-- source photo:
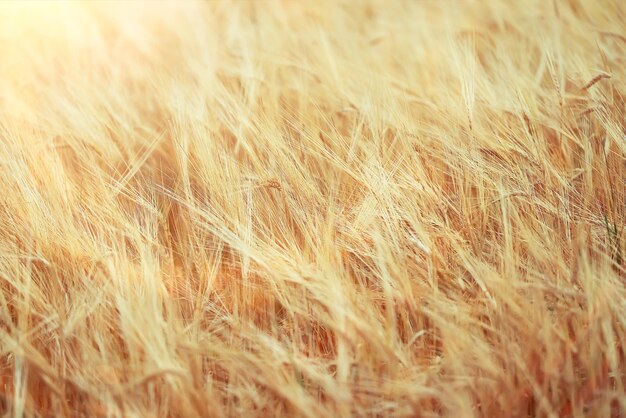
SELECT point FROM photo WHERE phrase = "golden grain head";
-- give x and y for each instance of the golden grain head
(313, 209)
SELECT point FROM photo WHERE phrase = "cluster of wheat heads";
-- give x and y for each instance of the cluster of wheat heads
(313, 209)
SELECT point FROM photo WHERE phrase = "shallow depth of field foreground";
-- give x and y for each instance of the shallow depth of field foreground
(313, 209)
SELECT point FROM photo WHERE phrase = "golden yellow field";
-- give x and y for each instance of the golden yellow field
(318, 208)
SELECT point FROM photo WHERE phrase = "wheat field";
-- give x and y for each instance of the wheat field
(313, 208)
